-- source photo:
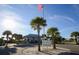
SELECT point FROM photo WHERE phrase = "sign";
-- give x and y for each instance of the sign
(46, 42)
(78, 39)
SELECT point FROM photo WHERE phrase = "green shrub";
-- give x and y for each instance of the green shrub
(1, 41)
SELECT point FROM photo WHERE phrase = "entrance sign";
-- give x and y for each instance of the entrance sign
(46, 42)
(78, 39)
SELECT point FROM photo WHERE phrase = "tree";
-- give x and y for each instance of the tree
(1, 41)
(7, 33)
(37, 24)
(14, 35)
(71, 40)
(17, 37)
(58, 39)
(75, 34)
(54, 34)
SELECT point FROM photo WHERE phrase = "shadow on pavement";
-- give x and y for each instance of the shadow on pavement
(7, 51)
(48, 53)
(22, 45)
(68, 53)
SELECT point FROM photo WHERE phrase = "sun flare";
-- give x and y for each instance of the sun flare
(8, 24)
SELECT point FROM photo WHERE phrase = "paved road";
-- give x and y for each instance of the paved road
(73, 48)
(32, 50)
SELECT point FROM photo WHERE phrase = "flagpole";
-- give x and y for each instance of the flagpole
(43, 18)
(43, 10)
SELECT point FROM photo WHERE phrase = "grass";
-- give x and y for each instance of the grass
(72, 43)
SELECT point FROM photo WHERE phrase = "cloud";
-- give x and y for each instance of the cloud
(20, 26)
(6, 6)
(73, 28)
(69, 30)
(65, 24)
(7, 11)
(76, 6)
(31, 6)
(59, 17)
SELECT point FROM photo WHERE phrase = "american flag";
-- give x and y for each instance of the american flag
(40, 7)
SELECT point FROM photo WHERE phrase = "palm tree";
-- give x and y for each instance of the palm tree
(14, 35)
(7, 33)
(54, 33)
(17, 36)
(75, 34)
(58, 38)
(37, 24)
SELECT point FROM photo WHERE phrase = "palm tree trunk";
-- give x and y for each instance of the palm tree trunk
(54, 45)
(7, 41)
(76, 40)
(39, 39)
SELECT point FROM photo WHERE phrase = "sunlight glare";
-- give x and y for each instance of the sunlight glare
(9, 24)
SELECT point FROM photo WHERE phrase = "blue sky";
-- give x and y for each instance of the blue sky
(64, 17)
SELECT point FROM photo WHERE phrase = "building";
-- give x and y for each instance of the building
(31, 38)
